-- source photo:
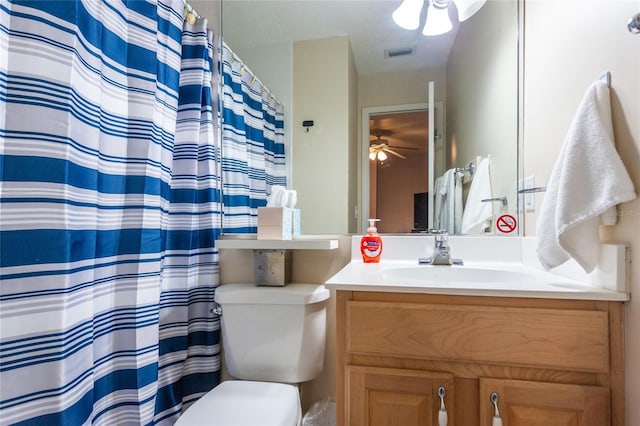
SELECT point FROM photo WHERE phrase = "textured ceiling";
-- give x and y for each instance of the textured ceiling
(368, 23)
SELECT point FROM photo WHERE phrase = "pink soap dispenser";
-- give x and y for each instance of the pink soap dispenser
(371, 244)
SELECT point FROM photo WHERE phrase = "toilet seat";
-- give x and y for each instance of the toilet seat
(245, 403)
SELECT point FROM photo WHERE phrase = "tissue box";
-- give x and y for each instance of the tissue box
(275, 223)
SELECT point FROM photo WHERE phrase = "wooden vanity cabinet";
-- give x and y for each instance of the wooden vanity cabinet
(545, 404)
(386, 396)
(551, 362)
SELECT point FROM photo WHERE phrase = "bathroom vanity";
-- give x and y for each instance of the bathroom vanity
(555, 361)
(548, 349)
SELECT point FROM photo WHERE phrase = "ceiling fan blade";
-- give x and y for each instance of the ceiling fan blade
(380, 141)
(390, 151)
(403, 147)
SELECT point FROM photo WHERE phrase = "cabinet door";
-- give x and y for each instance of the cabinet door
(524, 403)
(389, 397)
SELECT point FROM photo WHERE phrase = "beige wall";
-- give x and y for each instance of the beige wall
(568, 44)
(482, 118)
(400, 87)
(323, 91)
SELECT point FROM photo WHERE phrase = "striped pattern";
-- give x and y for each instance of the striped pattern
(107, 220)
(189, 363)
(252, 145)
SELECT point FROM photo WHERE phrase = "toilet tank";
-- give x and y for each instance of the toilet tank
(274, 334)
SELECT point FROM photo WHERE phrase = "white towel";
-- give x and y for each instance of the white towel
(478, 215)
(587, 181)
(438, 199)
(448, 202)
(455, 185)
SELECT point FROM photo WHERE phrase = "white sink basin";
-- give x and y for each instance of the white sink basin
(454, 274)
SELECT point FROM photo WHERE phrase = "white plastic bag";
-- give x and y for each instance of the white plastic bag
(321, 413)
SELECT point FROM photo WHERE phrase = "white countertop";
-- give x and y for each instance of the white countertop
(359, 276)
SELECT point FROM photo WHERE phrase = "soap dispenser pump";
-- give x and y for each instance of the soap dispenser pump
(371, 244)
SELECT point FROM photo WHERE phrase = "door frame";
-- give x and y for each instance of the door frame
(363, 162)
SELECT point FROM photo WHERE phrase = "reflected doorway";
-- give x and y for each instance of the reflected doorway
(397, 168)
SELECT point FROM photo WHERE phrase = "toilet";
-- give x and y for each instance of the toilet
(273, 339)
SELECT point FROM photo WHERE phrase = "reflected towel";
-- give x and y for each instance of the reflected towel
(477, 216)
(587, 181)
(438, 199)
(448, 202)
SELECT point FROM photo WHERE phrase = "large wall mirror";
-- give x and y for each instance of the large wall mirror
(475, 73)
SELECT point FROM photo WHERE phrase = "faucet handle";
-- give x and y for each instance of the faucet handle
(441, 238)
(441, 235)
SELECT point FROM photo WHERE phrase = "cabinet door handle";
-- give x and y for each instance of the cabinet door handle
(495, 398)
(442, 414)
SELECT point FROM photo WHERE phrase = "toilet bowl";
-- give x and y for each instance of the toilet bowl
(273, 339)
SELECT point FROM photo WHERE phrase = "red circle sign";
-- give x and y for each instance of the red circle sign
(506, 223)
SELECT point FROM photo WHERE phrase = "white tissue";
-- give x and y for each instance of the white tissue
(281, 197)
(291, 199)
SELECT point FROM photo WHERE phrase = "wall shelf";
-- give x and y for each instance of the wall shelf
(298, 243)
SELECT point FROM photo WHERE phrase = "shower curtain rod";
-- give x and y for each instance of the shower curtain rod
(189, 13)
(245, 68)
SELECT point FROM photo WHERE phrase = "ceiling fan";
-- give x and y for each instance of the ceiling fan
(379, 147)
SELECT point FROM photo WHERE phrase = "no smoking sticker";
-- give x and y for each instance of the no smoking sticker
(506, 224)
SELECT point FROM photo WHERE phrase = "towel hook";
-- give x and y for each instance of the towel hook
(606, 77)
(634, 24)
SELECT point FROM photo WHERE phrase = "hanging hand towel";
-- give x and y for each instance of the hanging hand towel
(438, 197)
(587, 181)
(448, 202)
(456, 215)
(477, 216)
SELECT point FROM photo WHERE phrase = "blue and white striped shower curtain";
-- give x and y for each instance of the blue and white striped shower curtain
(107, 220)
(252, 144)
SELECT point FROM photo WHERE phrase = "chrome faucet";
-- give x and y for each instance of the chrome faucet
(441, 254)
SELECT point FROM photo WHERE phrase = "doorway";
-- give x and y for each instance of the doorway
(395, 166)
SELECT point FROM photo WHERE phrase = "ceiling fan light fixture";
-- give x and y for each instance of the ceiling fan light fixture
(466, 8)
(407, 15)
(382, 156)
(372, 155)
(438, 21)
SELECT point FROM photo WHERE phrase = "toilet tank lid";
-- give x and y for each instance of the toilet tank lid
(290, 294)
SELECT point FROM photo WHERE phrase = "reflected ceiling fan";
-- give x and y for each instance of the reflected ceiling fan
(378, 148)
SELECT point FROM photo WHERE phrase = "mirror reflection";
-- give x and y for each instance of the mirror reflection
(398, 165)
(474, 67)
